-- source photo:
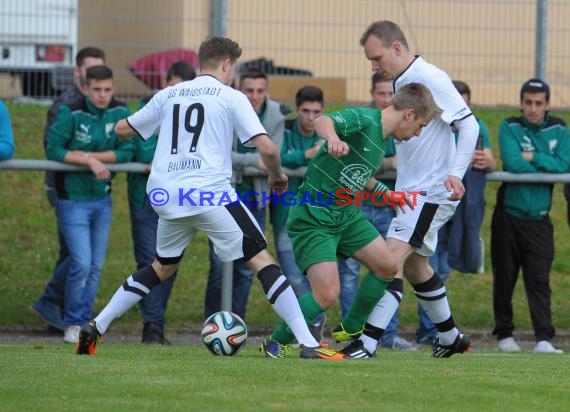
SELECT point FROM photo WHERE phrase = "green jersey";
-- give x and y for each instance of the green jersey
(390, 152)
(292, 157)
(80, 125)
(330, 181)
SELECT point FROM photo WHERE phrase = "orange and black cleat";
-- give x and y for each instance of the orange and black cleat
(320, 352)
(88, 338)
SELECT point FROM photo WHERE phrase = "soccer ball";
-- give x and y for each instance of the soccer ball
(224, 333)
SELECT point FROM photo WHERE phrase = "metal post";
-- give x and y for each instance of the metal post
(227, 285)
(219, 27)
(540, 42)
(219, 17)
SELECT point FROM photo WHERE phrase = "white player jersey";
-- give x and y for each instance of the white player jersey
(192, 167)
(425, 161)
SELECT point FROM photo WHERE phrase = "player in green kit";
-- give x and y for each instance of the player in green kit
(324, 221)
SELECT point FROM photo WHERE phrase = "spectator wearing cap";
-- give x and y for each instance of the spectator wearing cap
(521, 231)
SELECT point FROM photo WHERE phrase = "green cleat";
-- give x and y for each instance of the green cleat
(340, 335)
(273, 349)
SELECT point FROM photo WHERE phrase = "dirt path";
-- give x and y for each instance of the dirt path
(483, 340)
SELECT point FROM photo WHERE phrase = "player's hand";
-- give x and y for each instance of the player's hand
(527, 156)
(479, 160)
(338, 148)
(397, 203)
(454, 185)
(278, 183)
(98, 168)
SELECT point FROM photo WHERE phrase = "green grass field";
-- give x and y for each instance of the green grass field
(132, 377)
(188, 378)
(28, 249)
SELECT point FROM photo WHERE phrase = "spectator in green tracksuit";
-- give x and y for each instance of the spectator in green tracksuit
(521, 232)
(83, 133)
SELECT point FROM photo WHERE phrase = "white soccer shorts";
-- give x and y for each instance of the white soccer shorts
(226, 226)
(419, 227)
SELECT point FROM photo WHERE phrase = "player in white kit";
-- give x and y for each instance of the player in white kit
(189, 187)
(434, 165)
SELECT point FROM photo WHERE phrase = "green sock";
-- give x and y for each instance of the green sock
(370, 291)
(311, 311)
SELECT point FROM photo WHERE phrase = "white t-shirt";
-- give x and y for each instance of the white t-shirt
(425, 161)
(192, 168)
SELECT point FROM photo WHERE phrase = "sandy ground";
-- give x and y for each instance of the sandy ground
(482, 340)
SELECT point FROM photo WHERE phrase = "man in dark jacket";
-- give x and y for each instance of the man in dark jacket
(521, 232)
(49, 305)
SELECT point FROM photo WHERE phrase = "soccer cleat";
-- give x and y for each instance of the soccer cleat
(461, 344)
(340, 335)
(88, 338)
(273, 349)
(320, 352)
(356, 350)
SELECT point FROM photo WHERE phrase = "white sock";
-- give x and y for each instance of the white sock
(287, 307)
(119, 304)
(438, 311)
(380, 317)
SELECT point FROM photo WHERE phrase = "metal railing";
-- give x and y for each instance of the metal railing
(227, 267)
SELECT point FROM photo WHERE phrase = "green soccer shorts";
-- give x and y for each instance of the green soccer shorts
(322, 234)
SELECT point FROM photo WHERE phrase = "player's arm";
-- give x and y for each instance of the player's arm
(468, 132)
(324, 127)
(270, 156)
(124, 130)
(395, 200)
(145, 121)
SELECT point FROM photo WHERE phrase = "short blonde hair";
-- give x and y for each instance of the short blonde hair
(418, 97)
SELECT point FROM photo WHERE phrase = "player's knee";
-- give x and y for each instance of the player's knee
(165, 267)
(386, 269)
(326, 297)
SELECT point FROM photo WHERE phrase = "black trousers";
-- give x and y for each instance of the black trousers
(526, 244)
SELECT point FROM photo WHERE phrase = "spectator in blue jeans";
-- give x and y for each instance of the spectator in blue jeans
(253, 83)
(380, 216)
(83, 133)
(144, 222)
(49, 306)
(299, 146)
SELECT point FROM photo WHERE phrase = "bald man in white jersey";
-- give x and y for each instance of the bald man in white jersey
(189, 187)
(434, 165)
